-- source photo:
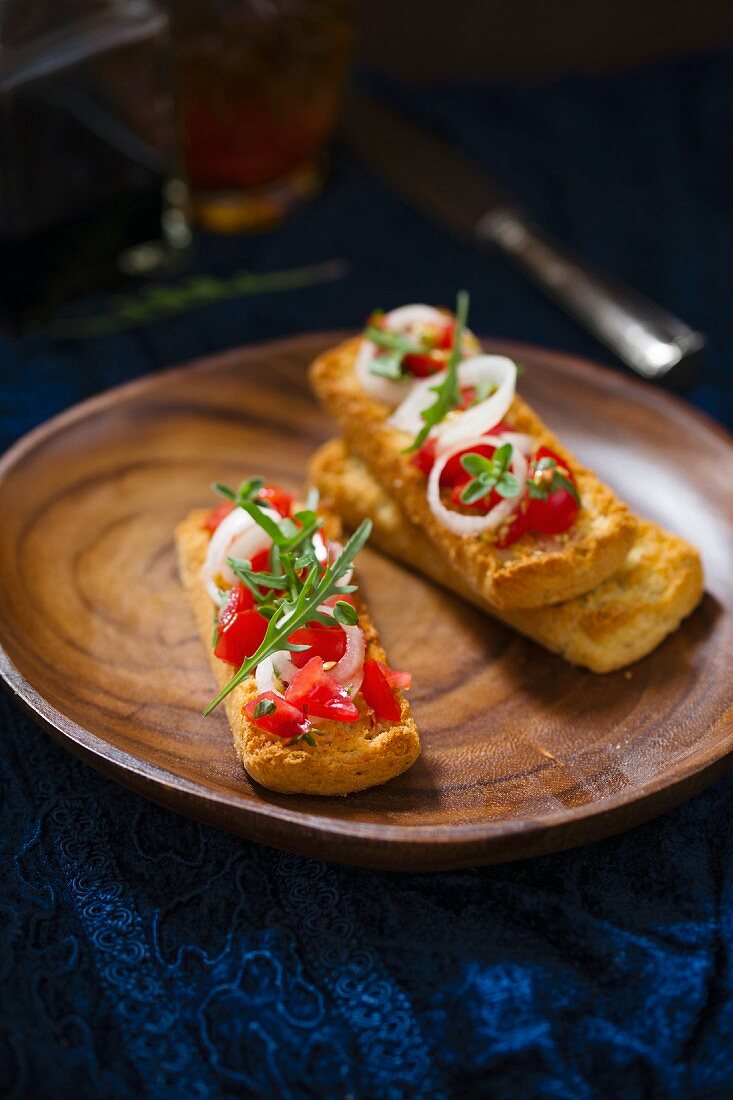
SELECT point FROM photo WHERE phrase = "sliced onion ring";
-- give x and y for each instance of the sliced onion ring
(237, 536)
(349, 671)
(275, 669)
(458, 523)
(496, 370)
(384, 389)
(525, 443)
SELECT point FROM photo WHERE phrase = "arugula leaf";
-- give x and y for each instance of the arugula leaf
(448, 394)
(305, 595)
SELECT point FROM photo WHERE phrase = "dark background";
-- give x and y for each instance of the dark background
(142, 955)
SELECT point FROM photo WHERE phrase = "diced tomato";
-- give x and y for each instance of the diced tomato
(446, 336)
(514, 531)
(284, 721)
(240, 599)
(480, 507)
(326, 642)
(277, 498)
(240, 636)
(422, 366)
(551, 516)
(216, 515)
(424, 459)
(395, 678)
(319, 695)
(260, 562)
(554, 515)
(377, 692)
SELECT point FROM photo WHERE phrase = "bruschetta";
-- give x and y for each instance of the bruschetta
(441, 428)
(313, 706)
(621, 620)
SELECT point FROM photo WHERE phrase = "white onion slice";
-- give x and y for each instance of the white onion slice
(525, 443)
(406, 417)
(276, 669)
(399, 320)
(464, 525)
(496, 370)
(237, 536)
(266, 678)
(349, 671)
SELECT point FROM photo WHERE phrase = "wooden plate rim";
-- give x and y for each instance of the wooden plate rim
(100, 752)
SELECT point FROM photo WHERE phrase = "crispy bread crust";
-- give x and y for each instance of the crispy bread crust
(347, 756)
(532, 572)
(621, 620)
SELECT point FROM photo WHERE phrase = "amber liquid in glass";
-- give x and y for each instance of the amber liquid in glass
(260, 85)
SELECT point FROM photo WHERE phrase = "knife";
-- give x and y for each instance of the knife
(452, 190)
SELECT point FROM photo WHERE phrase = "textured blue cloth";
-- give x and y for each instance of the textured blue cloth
(144, 955)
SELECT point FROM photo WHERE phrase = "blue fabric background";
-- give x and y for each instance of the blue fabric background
(144, 955)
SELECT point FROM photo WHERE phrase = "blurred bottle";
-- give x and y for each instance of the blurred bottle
(260, 83)
(89, 179)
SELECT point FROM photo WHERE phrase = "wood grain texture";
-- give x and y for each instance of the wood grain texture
(522, 754)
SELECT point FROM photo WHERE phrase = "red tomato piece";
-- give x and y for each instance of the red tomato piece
(422, 366)
(277, 498)
(216, 515)
(554, 515)
(480, 507)
(454, 473)
(551, 516)
(240, 637)
(424, 459)
(319, 695)
(326, 642)
(395, 678)
(260, 563)
(240, 599)
(446, 336)
(515, 530)
(285, 721)
(377, 692)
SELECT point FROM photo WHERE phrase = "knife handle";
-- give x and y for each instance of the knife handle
(650, 340)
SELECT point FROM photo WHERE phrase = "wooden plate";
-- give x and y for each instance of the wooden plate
(522, 754)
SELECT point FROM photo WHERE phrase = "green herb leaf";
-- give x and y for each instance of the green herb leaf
(223, 491)
(476, 464)
(388, 366)
(448, 395)
(290, 614)
(264, 707)
(345, 613)
(474, 491)
(488, 474)
(507, 486)
(540, 490)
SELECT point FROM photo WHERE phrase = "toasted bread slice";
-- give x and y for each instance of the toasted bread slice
(534, 571)
(347, 756)
(621, 620)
